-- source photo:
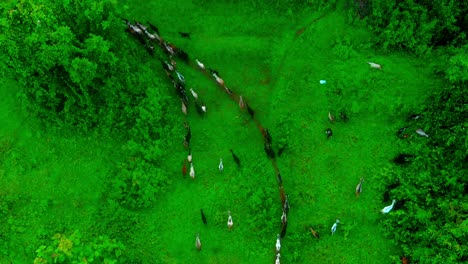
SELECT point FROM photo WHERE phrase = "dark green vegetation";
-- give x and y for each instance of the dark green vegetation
(91, 132)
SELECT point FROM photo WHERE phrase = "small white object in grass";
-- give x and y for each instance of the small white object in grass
(323, 81)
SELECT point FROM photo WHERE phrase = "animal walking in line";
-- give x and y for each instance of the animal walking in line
(329, 132)
(180, 77)
(153, 27)
(284, 218)
(282, 196)
(203, 217)
(228, 91)
(236, 159)
(192, 171)
(220, 166)
(218, 79)
(250, 110)
(359, 187)
(333, 228)
(183, 107)
(241, 102)
(195, 95)
(314, 233)
(188, 136)
(286, 204)
(375, 65)
(200, 64)
(387, 209)
(279, 178)
(269, 151)
(184, 168)
(198, 242)
(421, 133)
(278, 244)
(284, 227)
(229, 222)
(277, 261)
(266, 136)
(189, 156)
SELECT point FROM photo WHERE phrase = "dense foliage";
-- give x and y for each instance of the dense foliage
(432, 226)
(416, 25)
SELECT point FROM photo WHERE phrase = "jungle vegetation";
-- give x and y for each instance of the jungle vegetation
(71, 67)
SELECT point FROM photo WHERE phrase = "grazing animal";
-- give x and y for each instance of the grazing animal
(386, 195)
(278, 244)
(284, 218)
(375, 65)
(218, 79)
(421, 133)
(415, 116)
(331, 117)
(195, 95)
(333, 228)
(183, 107)
(192, 171)
(387, 209)
(229, 222)
(220, 166)
(241, 102)
(343, 116)
(404, 260)
(314, 233)
(399, 205)
(250, 110)
(403, 159)
(359, 187)
(184, 168)
(201, 65)
(277, 261)
(189, 157)
(329, 132)
(281, 150)
(185, 35)
(286, 204)
(236, 159)
(198, 242)
(203, 217)
(401, 131)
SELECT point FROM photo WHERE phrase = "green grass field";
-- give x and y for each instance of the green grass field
(55, 179)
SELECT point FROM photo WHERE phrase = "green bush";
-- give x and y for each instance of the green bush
(74, 249)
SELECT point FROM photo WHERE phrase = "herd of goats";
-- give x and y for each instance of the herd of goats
(149, 37)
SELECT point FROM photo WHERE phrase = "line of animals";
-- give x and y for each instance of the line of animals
(148, 39)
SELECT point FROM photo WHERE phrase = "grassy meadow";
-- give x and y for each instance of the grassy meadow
(54, 180)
